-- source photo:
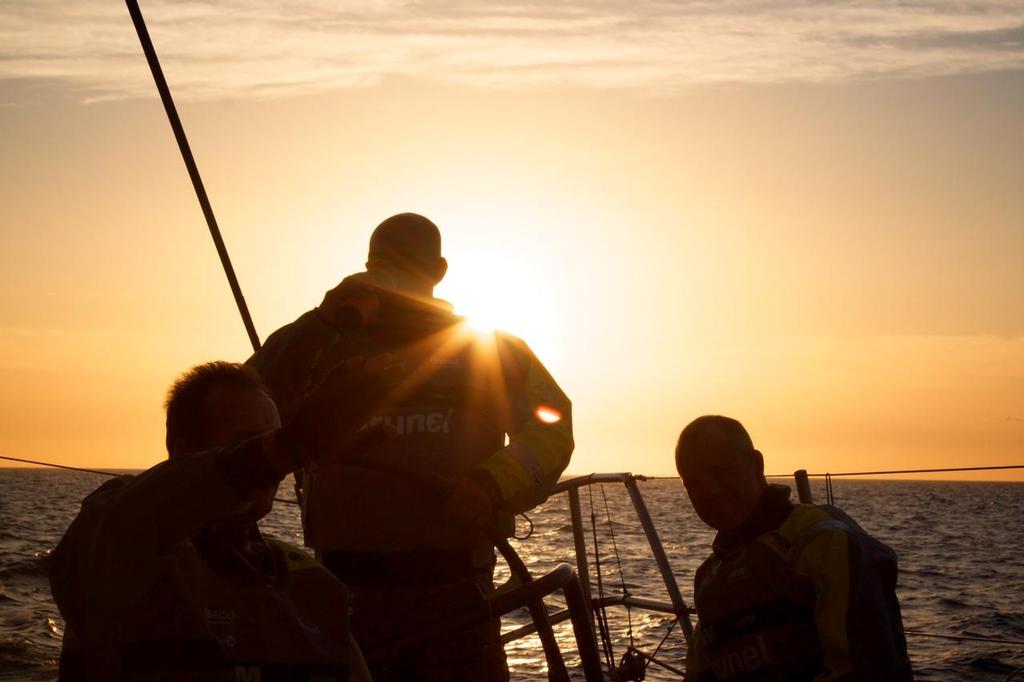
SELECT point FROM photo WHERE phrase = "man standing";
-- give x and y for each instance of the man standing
(165, 575)
(790, 592)
(410, 526)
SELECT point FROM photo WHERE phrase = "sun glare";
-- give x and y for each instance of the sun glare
(505, 296)
(547, 414)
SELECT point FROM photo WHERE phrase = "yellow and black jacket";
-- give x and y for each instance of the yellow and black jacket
(800, 593)
(455, 397)
(148, 593)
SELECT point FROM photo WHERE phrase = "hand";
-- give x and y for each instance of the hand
(329, 423)
(468, 503)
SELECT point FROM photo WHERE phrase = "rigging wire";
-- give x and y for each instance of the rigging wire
(602, 612)
(906, 471)
(634, 662)
(112, 474)
(965, 638)
(193, 169)
(618, 560)
(59, 466)
(668, 632)
(870, 473)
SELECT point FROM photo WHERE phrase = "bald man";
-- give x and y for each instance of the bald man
(410, 528)
(791, 592)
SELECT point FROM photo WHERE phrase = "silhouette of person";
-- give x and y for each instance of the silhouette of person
(410, 526)
(165, 575)
(790, 592)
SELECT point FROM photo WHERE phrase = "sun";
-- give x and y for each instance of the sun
(501, 294)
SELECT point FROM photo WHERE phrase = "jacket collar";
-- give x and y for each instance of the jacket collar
(772, 509)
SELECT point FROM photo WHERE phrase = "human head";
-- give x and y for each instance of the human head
(722, 472)
(216, 405)
(408, 247)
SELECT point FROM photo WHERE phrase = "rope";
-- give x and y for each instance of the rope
(965, 638)
(872, 473)
(896, 471)
(529, 531)
(601, 613)
(667, 633)
(112, 474)
(618, 560)
(59, 466)
(829, 497)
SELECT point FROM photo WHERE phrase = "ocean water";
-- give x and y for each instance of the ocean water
(960, 545)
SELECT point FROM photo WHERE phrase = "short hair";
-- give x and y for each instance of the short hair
(186, 399)
(408, 241)
(713, 428)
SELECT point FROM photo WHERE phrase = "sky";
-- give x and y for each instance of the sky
(807, 216)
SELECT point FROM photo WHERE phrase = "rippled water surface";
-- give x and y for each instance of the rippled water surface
(961, 550)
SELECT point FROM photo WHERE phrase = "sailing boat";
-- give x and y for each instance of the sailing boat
(580, 570)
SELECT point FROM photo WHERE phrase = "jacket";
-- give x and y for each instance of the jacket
(148, 593)
(455, 397)
(812, 597)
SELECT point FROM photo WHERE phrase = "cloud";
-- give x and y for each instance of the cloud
(236, 48)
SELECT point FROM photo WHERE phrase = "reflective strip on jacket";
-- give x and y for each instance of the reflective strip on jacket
(812, 600)
(455, 398)
(142, 603)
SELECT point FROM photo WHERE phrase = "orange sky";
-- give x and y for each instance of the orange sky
(833, 256)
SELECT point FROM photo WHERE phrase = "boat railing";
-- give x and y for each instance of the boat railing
(581, 605)
(674, 605)
(803, 485)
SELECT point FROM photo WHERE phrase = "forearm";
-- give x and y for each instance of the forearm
(171, 502)
(529, 464)
(128, 529)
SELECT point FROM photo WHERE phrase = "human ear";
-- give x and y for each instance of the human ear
(759, 462)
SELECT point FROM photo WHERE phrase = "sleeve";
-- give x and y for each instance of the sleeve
(540, 430)
(360, 672)
(289, 358)
(127, 528)
(856, 613)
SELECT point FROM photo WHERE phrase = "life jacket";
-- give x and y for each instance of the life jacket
(195, 623)
(446, 415)
(758, 614)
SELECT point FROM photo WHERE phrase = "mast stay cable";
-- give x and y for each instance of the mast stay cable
(193, 170)
(604, 630)
(112, 474)
(870, 473)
